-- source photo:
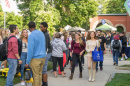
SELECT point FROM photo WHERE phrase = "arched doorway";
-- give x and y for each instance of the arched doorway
(120, 29)
(99, 22)
(99, 25)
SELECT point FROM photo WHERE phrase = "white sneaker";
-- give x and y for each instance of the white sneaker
(126, 57)
(122, 59)
(22, 83)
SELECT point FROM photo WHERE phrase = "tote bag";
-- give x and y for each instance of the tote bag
(97, 55)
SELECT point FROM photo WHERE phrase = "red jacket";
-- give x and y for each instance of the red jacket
(12, 48)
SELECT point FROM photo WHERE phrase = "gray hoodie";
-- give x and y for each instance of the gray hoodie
(58, 47)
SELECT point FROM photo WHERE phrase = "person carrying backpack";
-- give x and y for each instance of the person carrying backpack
(116, 49)
(13, 55)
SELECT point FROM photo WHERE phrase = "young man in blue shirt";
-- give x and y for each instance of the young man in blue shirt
(36, 53)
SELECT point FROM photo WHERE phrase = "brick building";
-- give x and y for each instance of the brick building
(120, 21)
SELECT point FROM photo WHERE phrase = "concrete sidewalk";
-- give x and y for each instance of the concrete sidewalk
(101, 76)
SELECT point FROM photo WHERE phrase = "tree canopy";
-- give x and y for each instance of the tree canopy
(59, 13)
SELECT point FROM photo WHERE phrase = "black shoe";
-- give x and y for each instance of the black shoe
(114, 63)
(101, 68)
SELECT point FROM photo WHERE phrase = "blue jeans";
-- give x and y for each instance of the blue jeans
(115, 56)
(12, 71)
(100, 62)
(44, 71)
(23, 58)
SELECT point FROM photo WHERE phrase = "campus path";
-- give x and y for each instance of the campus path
(101, 76)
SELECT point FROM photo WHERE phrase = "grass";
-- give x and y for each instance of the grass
(3, 80)
(120, 79)
(17, 79)
(127, 59)
(125, 66)
(50, 66)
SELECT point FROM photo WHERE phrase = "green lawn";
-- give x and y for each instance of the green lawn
(17, 79)
(3, 80)
(125, 66)
(121, 57)
(120, 79)
(128, 59)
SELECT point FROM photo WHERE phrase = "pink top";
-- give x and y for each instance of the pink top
(12, 48)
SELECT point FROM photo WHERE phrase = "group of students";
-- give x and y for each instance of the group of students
(75, 45)
(35, 50)
(28, 51)
(116, 43)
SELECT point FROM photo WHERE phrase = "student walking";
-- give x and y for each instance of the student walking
(57, 53)
(92, 42)
(24, 40)
(123, 39)
(116, 49)
(36, 53)
(102, 41)
(13, 55)
(76, 52)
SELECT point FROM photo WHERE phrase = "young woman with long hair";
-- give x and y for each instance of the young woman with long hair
(24, 39)
(1, 35)
(76, 52)
(91, 43)
(6, 35)
(1, 41)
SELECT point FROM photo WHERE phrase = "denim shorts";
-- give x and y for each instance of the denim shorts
(44, 71)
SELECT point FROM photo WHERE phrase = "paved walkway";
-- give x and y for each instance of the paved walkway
(101, 76)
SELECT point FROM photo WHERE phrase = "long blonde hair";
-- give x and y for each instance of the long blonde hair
(2, 36)
(21, 36)
(6, 35)
(80, 39)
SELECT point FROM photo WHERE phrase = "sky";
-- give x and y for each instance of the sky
(13, 7)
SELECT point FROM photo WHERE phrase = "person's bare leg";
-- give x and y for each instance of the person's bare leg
(94, 70)
(5, 63)
(63, 74)
(123, 55)
(55, 74)
(89, 60)
(44, 77)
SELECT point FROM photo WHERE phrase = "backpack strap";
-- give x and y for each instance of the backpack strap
(10, 37)
(7, 42)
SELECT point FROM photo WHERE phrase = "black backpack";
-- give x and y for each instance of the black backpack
(116, 44)
(4, 49)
